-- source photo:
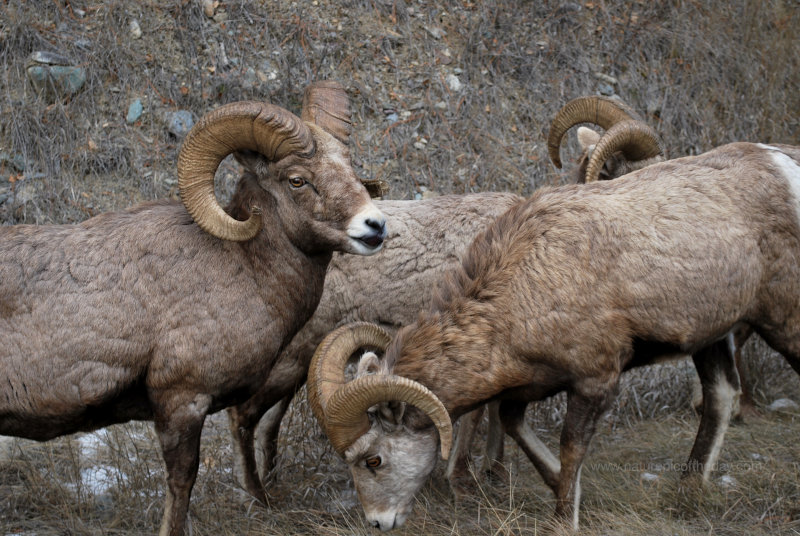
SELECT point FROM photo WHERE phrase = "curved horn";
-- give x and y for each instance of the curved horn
(347, 409)
(341, 407)
(326, 104)
(601, 111)
(248, 125)
(326, 372)
(636, 140)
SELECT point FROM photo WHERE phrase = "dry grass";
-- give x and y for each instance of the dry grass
(703, 73)
(112, 483)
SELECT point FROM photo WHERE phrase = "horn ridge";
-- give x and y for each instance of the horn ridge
(246, 125)
(635, 139)
(602, 111)
(326, 372)
(347, 418)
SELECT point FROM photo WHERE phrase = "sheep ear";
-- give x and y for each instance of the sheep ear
(250, 160)
(587, 138)
(391, 414)
(369, 364)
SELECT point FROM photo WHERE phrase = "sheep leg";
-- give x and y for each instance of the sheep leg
(747, 406)
(244, 453)
(267, 437)
(512, 416)
(243, 420)
(458, 465)
(717, 371)
(178, 424)
(495, 436)
(584, 409)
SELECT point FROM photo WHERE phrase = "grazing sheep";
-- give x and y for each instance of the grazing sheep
(426, 238)
(628, 144)
(170, 312)
(564, 292)
(390, 289)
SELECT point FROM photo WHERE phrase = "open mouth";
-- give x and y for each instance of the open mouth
(371, 241)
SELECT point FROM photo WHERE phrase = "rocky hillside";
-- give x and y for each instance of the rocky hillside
(449, 96)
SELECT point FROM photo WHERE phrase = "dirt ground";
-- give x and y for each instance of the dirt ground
(450, 96)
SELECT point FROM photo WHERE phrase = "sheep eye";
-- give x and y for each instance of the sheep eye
(296, 182)
(374, 462)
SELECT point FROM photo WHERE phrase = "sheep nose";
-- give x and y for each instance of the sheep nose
(379, 226)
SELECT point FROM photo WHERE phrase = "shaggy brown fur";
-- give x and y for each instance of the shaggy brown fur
(579, 283)
(142, 315)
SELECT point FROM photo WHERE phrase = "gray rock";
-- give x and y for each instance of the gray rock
(179, 123)
(135, 110)
(134, 29)
(453, 82)
(605, 89)
(54, 75)
(250, 78)
(49, 58)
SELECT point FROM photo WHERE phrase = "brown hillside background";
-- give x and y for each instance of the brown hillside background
(448, 97)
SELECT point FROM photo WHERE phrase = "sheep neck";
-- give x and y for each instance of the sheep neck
(463, 366)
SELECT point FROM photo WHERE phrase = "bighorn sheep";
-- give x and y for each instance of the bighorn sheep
(390, 289)
(145, 314)
(628, 144)
(611, 158)
(564, 292)
(425, 239)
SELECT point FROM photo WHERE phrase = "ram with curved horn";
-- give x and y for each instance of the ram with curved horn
(566, 291)
(168, 311)
(628, 143)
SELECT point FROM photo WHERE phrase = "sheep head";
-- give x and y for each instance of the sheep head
(385, 427)
(300, 172)
(627, 145)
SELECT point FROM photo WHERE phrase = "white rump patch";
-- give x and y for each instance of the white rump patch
(789, 169)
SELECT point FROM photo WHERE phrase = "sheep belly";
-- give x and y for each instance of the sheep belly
(85, 396)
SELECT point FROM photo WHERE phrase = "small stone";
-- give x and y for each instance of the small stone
(453, 82)
(649, 477)
(57, 80)
(135, 110)
(49, 58)
(209, 7)
(250, 79)
(605, 89)
(180, 123)
(135, 29)
(608, 79)
(727, 481)
(436, 32)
